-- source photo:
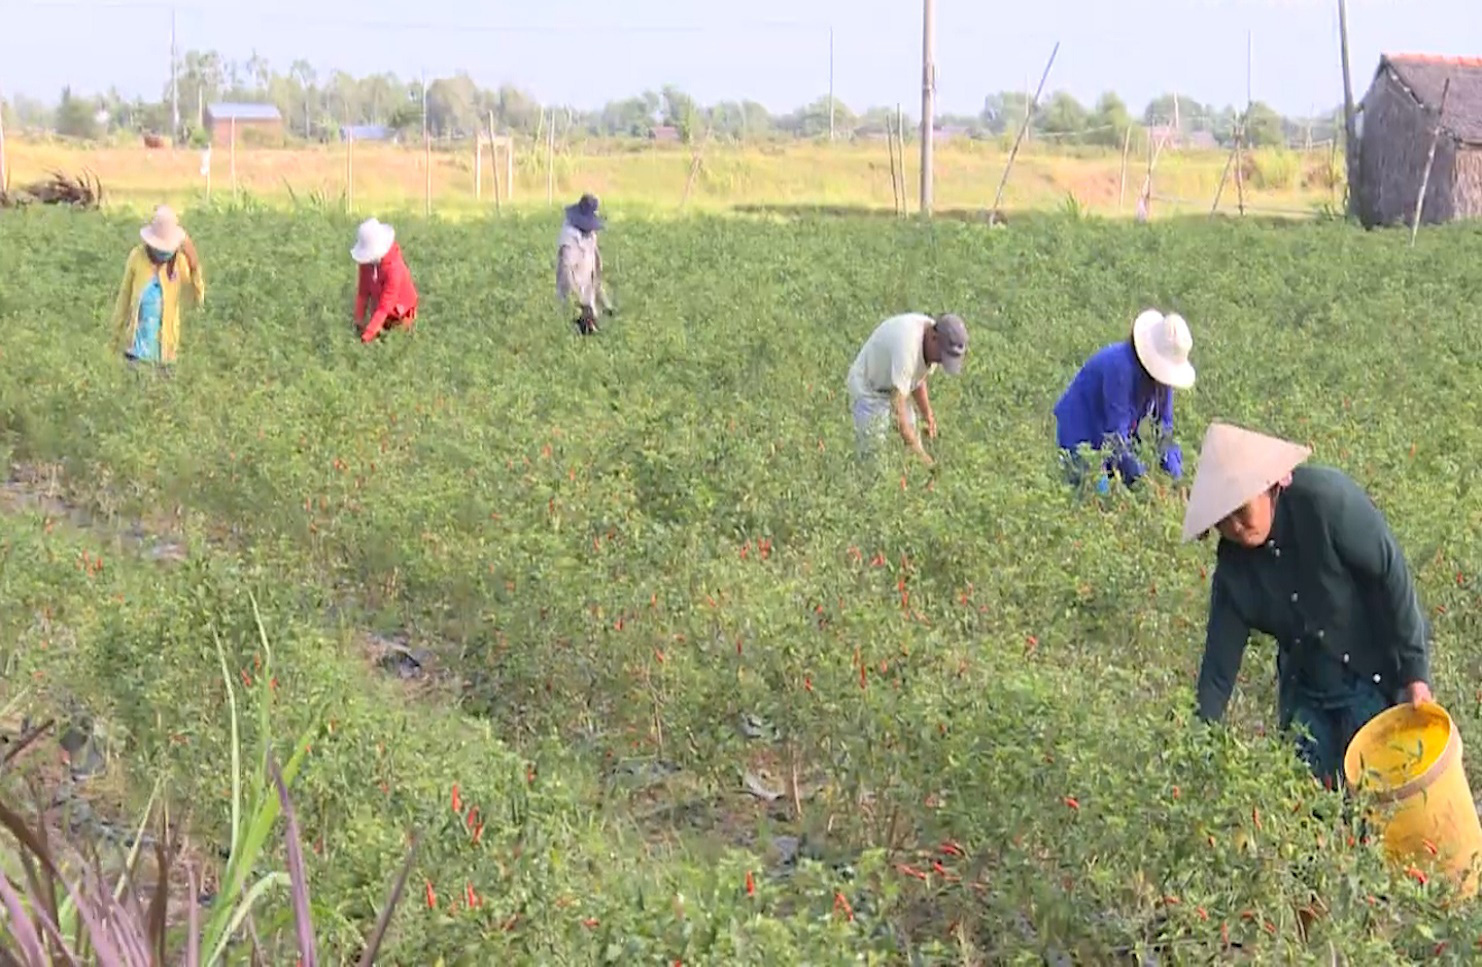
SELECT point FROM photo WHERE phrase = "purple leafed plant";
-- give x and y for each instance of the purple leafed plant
(49, 918)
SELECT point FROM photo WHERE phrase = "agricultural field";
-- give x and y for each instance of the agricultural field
(659, 670)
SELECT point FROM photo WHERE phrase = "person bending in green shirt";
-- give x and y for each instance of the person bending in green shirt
(1305, 557)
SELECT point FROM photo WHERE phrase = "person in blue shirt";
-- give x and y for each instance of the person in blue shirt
(1120, 386)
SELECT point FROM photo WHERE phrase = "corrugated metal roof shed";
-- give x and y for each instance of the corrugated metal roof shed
(365, 132)
(227, 111)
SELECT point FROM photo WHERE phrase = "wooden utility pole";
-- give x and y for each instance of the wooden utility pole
(1351, 151)
(928, 92)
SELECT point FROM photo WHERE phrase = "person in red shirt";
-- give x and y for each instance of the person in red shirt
(385, 281)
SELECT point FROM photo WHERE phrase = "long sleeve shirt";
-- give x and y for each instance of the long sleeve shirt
(579, 269)
(386, 288)
(1331, 585)
(1107, 401)
(140, 274)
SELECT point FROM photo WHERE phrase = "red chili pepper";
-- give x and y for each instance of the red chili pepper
(842, 903)
(478, 833)
(910, 871)
(431, 896)
(750, 884)
(1072, 802)
(949, 848)
(457, 800)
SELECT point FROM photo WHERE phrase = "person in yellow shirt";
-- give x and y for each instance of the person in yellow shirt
(159, 271)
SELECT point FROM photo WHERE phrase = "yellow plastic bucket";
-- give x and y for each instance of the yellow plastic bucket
(1409, 761)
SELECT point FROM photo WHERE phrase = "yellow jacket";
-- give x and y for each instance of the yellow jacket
(137, 272)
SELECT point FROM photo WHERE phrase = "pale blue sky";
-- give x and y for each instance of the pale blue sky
(585, 52)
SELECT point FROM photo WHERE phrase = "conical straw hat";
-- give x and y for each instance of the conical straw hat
(1235, 465)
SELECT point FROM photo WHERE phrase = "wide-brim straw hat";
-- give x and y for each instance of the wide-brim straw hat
(163, 233)
(373, 240)
(1163, 344)
(1235, 465)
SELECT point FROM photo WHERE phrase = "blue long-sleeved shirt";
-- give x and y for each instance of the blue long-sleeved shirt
(1104, 404)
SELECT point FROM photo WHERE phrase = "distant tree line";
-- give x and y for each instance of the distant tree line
(316, 106)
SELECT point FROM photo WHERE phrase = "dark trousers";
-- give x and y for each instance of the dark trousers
(1324, 729)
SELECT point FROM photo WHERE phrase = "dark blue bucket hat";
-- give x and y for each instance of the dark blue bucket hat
(584, 215)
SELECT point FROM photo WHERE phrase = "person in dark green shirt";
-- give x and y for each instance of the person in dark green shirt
(1305, 557)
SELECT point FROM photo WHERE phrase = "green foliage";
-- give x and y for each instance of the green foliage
(1276, 170)
(617, 547)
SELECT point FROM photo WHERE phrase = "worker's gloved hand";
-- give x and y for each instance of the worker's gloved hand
(1173, 461)
(1130, 468)
(1103, 485)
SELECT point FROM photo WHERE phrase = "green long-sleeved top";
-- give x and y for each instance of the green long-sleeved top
(1330, 585)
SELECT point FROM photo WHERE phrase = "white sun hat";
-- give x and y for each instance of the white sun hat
(1163, 344)
(372, 241)
(163, 231)
(1235, 465)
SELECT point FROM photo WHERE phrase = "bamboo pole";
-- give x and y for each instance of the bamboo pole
(494, 166)
(4, 167)
(550, 160)
(478, 166)
(1014, 151)
(349, 172)
(889, 146)
(900, 140)
(1219, 189)
(1430, 162)
(1122, 184)
(1240, 166)
(1145, 197)
(695, 162)
(233, 153)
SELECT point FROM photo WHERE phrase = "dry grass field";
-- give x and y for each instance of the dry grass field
(648, 177)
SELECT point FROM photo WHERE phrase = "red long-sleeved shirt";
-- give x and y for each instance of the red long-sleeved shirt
(386, 285)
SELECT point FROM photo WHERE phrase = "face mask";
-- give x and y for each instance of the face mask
(159, 256)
